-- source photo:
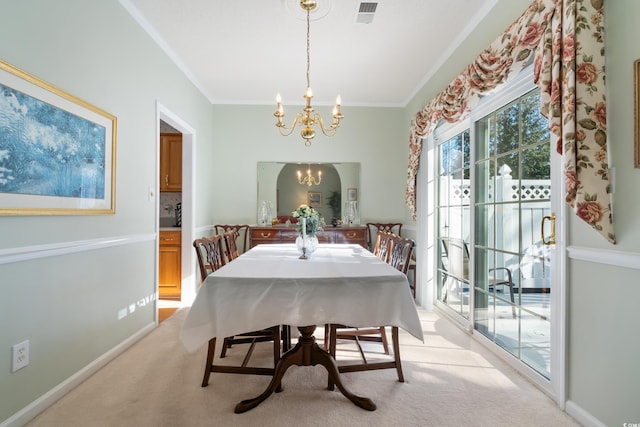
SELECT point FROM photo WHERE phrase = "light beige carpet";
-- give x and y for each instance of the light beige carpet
(450, 381)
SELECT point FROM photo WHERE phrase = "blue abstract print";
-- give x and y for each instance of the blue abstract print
(47, 151)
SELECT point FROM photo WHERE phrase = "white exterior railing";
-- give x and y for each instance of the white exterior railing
(521, 204)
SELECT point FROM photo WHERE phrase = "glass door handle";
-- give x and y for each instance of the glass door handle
(552, 238)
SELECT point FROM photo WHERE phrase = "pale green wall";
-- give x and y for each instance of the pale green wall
(603, 344)
(68, 305)
(622, 32)
(603, 350)
(371, 136)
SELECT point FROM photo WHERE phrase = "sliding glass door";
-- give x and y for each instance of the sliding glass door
(493, 194)
(511, 263)
(454, 220)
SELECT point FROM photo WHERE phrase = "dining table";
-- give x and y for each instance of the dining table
(272, 284)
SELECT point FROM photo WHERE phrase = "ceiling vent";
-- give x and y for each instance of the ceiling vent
(366, 11)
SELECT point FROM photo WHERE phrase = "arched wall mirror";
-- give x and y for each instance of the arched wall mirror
(280, 184)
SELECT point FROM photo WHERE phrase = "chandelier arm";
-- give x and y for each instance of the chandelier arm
(285, 131)
(331, 130)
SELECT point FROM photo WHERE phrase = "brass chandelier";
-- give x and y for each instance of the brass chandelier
(309, 179)
(308, 118)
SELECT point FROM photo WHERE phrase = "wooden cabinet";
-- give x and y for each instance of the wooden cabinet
(276, 234)
(169, 259)
(350, 235)
(170, 162)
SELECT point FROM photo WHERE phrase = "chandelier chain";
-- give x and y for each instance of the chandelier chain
(308, 49)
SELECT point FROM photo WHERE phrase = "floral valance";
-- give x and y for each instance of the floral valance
(566, 40)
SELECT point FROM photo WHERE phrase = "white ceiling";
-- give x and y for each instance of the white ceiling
(244, 52)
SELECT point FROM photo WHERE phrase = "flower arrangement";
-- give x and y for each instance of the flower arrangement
(312, 220)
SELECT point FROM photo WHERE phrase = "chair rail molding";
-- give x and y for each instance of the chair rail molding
(605, 256)
(26, 253)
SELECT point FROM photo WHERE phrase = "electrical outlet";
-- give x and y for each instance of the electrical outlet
(20, 355)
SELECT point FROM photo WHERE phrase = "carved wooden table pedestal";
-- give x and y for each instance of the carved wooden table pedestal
(305, 353)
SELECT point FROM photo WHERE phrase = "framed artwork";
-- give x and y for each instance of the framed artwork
(314, 199)
(636, 116)
(57, 152)
(352, 194)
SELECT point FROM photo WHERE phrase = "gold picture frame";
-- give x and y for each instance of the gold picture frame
(57, 152)
(314, 199)
(636, 115)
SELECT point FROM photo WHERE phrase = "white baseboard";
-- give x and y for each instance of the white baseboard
(30, 411)
(582, 416)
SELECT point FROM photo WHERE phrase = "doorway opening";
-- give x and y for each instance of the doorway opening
(179, 218)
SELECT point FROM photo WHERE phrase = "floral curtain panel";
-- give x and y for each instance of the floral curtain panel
(566, 39)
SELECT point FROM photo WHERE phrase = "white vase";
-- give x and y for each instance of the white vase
(312, 244)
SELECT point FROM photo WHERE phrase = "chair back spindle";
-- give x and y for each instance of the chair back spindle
(231, 248)
(382, 245)
(209, 252)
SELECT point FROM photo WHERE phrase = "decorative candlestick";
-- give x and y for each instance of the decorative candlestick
(304, 238)
(304, 232)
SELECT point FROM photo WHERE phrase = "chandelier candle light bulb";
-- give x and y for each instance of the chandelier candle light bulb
(336, 109)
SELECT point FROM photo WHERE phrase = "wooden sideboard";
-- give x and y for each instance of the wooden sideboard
(284, 234)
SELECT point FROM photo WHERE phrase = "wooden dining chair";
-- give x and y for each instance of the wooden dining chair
(209, 251)
(232, 235)
(231, 253)
(393, 228)
(399, 256)
(241, 232)
(374, 227)
(401, 253)
(381, 249)
(210, 255)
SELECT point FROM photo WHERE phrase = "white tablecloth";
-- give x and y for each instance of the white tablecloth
(269, 285)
